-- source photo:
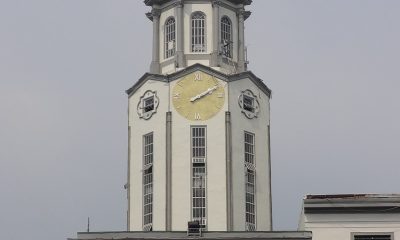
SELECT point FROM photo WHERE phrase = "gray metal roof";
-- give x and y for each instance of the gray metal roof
(160, 2)
(352, 203)
(283, 235)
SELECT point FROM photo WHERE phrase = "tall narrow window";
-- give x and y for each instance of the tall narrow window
(198, 32)
(226, 37)
(199, 176)
(250, 181)
(169, 37)
(148, 182)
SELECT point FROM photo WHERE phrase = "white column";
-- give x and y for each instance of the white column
(180, 36)
(216, 32)
(155, 64)
(241, 54)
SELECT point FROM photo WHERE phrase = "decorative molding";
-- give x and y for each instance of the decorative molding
(140, 106)
(154, 13)
(216, 3)
(195, 67)
(256, 104)
(179, 4)
(168, 61)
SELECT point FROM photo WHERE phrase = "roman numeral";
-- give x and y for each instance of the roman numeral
(197, 116)
(177, 95)
(197, 77)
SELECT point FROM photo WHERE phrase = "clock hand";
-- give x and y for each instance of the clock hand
(208, 91)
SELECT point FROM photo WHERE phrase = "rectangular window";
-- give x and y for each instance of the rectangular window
(199, 176)
(148, 182)
(250, 181)
(148, 104)
(248, 148)
(248, 103)
(372, 236)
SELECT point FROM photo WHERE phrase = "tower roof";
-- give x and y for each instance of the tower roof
(160, 2)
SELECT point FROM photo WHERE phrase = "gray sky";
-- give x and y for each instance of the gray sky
(333, 67)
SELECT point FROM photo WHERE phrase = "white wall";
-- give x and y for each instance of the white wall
(181, 167)
(140, 127)
(258, 126)
(189, 8)
(340, 226)
(216, 160)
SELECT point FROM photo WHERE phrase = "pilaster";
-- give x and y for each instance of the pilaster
(180, 56)
(241, 54)
(155, 64)
(216, 33)
(168, 182)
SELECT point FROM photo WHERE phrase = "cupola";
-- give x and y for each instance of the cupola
(208, 32)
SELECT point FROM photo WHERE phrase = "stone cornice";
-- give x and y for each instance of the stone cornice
(174, 76)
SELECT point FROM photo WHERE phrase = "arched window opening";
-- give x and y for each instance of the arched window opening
(169, 34)
(198, 32)
(226, 37)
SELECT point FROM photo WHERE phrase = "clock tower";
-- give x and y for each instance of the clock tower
(199, 129)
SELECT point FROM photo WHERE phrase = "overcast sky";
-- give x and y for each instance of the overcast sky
(333, 67)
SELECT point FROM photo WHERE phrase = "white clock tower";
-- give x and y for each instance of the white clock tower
(199, 142)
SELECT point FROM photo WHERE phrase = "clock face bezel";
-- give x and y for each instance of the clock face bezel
(198, 96)
(249, 113)
(141, 111)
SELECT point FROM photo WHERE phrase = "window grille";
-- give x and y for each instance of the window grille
(372, 236)
(169, 37)
(198, 32)
(226, 36)
(148, 182)
(248, 103)
(249, 148)
(250, 181)
(199, 176)
(148, 104)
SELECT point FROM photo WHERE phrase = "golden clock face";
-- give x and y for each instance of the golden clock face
(198, 96)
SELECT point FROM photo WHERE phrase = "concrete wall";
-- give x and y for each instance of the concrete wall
(140, 127)
(258, 126)
(181, 167)
(216, 160)
(169, 66)
(341, 226)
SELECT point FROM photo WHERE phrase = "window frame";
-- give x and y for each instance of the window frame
(169, 35)
(147, 181)
(226, 34)
(145, 100)
(250, 168)
(193, 36)
(248, 107)
(197, 164)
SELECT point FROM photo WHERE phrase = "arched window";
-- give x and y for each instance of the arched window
(169, 36)
(198, 32)
(226, 36)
